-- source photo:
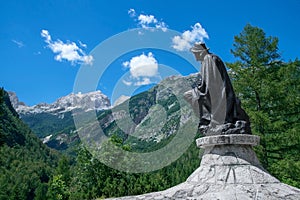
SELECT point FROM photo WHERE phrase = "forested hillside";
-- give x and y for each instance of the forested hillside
(26, 165)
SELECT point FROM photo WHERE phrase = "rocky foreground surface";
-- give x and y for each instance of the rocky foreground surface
(229, 170)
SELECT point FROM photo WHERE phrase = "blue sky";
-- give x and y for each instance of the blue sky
(46, 46)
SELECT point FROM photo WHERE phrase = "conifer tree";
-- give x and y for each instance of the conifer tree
(269, 90)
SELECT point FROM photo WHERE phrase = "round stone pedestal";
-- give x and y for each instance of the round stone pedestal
(234, 139)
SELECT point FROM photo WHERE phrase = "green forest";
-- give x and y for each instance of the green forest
(268, 87)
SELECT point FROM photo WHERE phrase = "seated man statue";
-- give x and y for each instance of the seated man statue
(214, 100)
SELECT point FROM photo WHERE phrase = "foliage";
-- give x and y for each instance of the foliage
(59, 126)
(93, 179)
(58, 189)
(44, 123)
(270, 92)
(25, 163)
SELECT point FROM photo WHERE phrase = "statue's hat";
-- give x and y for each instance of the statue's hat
(199, 46)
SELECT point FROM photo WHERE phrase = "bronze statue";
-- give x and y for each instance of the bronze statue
(214, 100)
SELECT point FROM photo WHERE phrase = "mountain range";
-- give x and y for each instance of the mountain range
(151, 116)
(89, 101)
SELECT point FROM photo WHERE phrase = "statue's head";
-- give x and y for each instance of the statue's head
(199, 50)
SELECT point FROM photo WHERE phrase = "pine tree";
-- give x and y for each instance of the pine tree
(269, 90)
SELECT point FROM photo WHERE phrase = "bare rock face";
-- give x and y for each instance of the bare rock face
(95, 100)
(229, 170)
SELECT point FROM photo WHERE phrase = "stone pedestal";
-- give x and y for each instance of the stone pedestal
(234, 139)
(229, 150)
(229, 170)
(230, 162)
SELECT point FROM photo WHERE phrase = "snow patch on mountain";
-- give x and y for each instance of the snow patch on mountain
(88, 101)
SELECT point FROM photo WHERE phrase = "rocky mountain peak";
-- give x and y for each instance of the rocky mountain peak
(121, 99)
(15, 100)
(95, 100)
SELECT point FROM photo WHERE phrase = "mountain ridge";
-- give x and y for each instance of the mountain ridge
(54, 123)
(95, 100)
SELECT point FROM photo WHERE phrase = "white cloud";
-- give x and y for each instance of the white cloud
(46, 35)
(142, 65)
(186, 40)
(82, 44)
(128, 83)
(145, 20)
(142, 68)
(67, 51)
(162, 26)
(131, 12)
(148, 21)
(20, 44)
